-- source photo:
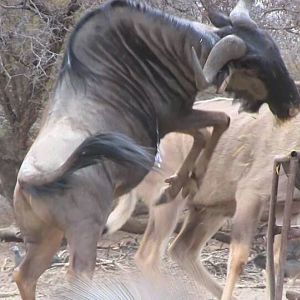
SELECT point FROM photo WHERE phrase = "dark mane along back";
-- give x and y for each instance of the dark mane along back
(110, 16)
(128, 55)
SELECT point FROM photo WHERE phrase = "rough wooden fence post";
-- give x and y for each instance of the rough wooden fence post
(275, 283)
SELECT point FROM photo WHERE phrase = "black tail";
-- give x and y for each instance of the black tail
(113, 146)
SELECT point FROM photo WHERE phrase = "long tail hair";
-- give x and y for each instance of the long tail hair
(113, 146)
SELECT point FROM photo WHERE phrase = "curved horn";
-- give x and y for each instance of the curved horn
(229, 48)
(240, 14)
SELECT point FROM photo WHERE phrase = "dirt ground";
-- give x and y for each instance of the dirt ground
(115, 256)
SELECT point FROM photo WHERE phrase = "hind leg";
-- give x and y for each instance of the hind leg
(245, 222)
(39, 254)
(161, 225)
(86, 215)
(163, 218)
(200, 225)
(41, 241)
(82, 239)
(145, 258)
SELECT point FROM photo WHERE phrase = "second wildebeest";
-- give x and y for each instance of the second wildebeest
(130, 75)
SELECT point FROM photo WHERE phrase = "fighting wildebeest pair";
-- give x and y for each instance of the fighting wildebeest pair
(129, 76)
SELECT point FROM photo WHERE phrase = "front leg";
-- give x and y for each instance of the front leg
(177, 181)
(191, 124)
(202, 162)
(220, 122)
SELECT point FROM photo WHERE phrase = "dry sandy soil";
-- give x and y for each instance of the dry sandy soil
(115, 256)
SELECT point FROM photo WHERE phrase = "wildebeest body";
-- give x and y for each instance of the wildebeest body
(140, 71)
(127, 83)
(128, 70)
(116, 91)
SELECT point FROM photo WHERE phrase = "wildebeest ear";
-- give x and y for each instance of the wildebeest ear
(218, 19)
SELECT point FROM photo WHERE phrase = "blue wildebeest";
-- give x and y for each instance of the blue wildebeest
(130, 75)
(237, 184)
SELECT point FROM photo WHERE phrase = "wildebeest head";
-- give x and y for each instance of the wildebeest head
(255, 72)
